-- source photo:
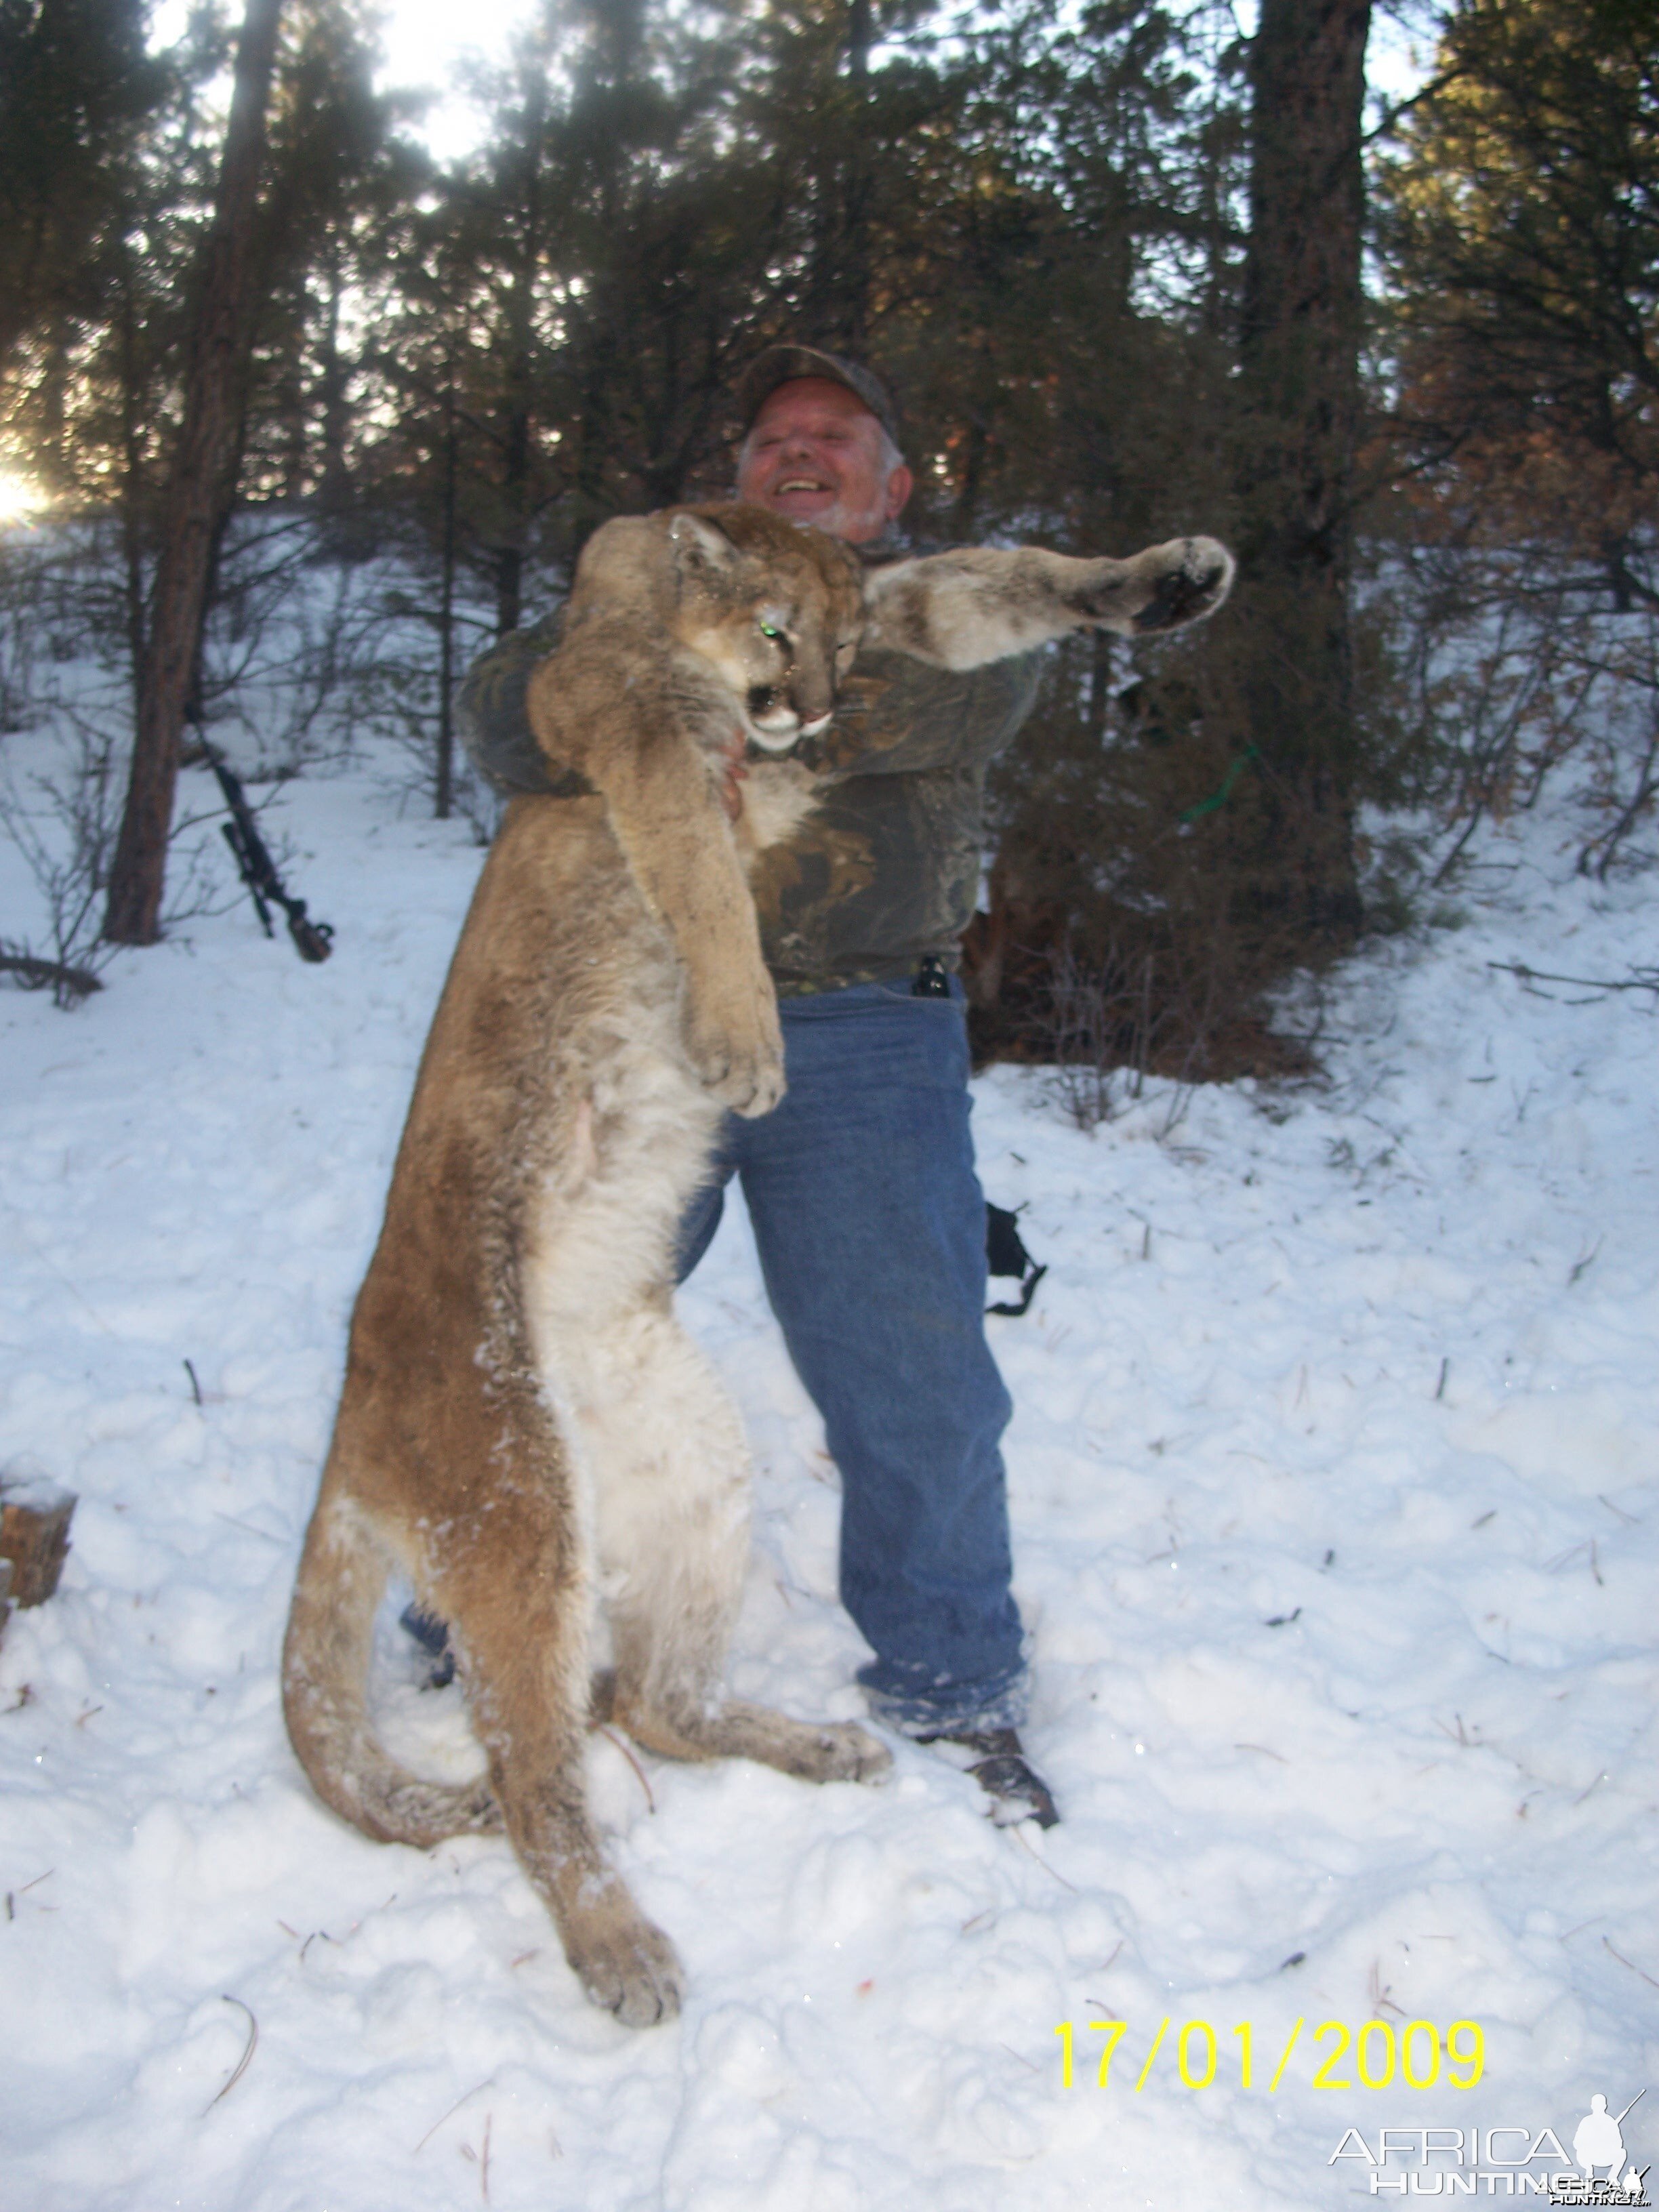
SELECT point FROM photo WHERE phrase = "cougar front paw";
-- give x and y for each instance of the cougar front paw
(1162, 589)
(737, 1049)
(851, 1754)
(1186, 580)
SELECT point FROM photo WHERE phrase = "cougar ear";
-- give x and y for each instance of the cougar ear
(700, 544)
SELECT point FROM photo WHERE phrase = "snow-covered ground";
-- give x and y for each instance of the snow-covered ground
(1337, 1532)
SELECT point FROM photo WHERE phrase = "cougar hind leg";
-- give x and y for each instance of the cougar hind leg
(671, 1473)
(326, 1667)
(518, 1609)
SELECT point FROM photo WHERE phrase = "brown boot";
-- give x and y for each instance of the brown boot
(996, 1760)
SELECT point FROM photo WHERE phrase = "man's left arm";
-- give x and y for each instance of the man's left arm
(898, 716)
(952, 657)
(493, 718)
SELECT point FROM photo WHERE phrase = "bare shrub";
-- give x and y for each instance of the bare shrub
(1081, 1024)
(64, 827)
(63, 821)
(1518, 668)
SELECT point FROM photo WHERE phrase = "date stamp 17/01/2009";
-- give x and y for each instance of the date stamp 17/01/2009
(1419, 2054)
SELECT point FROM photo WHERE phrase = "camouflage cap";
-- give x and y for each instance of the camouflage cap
(783, 364)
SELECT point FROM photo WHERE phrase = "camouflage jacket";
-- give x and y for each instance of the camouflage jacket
(887, 867)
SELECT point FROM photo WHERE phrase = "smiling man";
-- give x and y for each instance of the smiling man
(821, 449)
(861, 1185)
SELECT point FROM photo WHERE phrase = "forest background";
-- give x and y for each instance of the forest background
(313, 415)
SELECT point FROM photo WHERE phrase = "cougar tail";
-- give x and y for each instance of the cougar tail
(325, 1663)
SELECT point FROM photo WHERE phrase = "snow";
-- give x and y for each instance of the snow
(1332, 1482)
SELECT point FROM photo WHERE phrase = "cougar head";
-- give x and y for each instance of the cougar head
(777, 608)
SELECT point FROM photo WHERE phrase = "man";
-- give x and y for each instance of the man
(868, 1215)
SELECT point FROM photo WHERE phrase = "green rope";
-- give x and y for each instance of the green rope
(1220, 798)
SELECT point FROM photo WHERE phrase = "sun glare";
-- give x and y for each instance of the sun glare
(19, 498)
(424, 44)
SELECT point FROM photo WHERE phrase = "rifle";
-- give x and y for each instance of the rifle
(313, 940)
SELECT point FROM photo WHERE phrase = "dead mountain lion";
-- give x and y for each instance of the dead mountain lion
(523, 1428)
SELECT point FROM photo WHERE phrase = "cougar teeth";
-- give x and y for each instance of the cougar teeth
(778, 741)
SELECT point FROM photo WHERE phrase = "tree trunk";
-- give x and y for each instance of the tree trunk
(444, 792)
(858, 186)
(515, 492)
(132, 463)
(835, 304)
(518, 383)
(335, 483)
(1300, 389)
(201, 470)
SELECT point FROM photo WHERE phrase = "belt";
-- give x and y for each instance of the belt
(927, 977)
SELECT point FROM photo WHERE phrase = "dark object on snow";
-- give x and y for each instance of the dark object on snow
(1000, 1767)
(34, 1525)
(313, 940)
(1005, 1255)
(71, 983)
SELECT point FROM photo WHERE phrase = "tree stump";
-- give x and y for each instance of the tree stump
(34, 1525)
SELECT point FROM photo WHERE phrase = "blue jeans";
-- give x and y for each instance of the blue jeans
(871, 1227)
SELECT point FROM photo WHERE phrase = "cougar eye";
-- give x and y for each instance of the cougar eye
(771, 631)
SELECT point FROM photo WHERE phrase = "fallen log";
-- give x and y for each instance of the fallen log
(34, 1526)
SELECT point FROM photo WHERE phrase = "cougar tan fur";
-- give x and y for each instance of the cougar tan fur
(524, 1427)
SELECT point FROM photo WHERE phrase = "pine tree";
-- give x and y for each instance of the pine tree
(200, 485)
(1523, 238)
(76, 88)
(1299, 413)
